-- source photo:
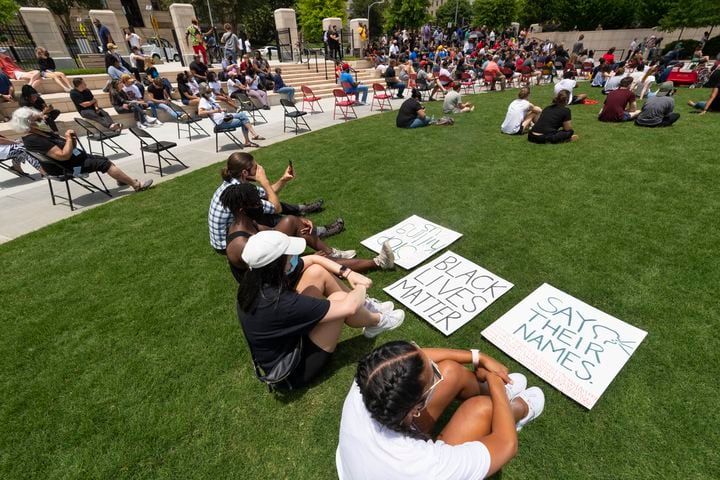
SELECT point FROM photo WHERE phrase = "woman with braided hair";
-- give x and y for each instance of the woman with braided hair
(399, 393)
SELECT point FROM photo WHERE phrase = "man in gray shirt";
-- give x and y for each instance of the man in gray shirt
(230, 41)
(658, 110)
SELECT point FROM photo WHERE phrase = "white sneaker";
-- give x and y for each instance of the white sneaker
(388, 321)
(344, 254)
(386, 259)
(151, 120)
(535, 399)
(519, 384)
(376, 306)
(141, 126)
(156, 123)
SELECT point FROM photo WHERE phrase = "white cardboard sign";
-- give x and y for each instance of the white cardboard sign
(574, 347)
(449, 291)
(413, 240)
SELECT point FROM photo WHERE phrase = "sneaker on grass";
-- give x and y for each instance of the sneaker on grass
(535, 400)
(344, 254)
(519, 384)
(388, 321)
(313, 207)
(376, 306)
(332, 229)
(386, 258)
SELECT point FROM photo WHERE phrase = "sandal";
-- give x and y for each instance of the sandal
(258, 137)
(251, 144)
(143, 186)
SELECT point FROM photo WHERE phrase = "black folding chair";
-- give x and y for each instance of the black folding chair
(190, 120)
(67, 176)
(297, 116)
(228, 132)
(150, 144)
(248, 106)
(102, 135)
(9, 160)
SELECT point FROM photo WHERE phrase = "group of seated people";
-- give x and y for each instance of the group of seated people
(292, 310)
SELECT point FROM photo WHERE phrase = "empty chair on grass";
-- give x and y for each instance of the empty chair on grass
(310, 98)
(555, 122)
(64, 150)
(401, 391)
(296, 116)
(87, 105)
(521, 114)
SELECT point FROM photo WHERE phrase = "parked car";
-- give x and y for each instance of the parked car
(160, 49)
(269, 52)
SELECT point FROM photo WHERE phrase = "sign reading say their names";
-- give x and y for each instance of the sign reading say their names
(449, 291)
(574, 347)
(413, 240)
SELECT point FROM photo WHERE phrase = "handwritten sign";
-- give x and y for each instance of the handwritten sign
(576, 348)
(449, 291)
(413, 240)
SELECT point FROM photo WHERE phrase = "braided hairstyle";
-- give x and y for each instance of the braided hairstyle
(236, 163)
(240, 197)
(389, 378)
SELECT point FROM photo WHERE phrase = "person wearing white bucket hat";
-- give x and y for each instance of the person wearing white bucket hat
(285, 302)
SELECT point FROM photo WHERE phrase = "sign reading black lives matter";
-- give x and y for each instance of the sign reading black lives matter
(576, 348)
(413, 240)
(449, 291)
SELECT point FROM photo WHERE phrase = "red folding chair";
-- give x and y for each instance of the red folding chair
(382, 97)
(310, 97)
(447, 84)
(488, 80)
(348, 86)
(467, 82)
(343, 102)
(587, 69)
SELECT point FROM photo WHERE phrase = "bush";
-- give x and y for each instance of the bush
(712, 47)
(83, 71)
(688, 47)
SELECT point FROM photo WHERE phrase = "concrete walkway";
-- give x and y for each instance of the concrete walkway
(25, 205)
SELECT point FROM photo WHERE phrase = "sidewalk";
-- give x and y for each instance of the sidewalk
(25, 205)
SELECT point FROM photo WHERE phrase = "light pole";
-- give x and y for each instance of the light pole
(212, 23)
(368, 17)
(457, 5)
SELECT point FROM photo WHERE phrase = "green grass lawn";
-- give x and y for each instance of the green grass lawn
(122, 356)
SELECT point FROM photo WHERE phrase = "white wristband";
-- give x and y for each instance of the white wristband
(475, 357)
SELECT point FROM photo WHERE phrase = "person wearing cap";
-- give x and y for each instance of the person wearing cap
(111, 54)
(209, 107)
(14, 72)
(658, 110)
(351, 87)
(284, 299)
(713, 103)
(104, 34)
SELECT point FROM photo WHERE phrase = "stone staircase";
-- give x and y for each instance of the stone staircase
(293, 74)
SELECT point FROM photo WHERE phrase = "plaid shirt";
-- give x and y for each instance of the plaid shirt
(220, 218)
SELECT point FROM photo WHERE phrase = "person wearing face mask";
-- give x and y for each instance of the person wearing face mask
(244, 204)
(285, 302)
(209, 107)
(400, 392)
(64, 150)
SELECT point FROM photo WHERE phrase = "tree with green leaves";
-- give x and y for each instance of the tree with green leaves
(8, 9)
(312, 13)
(446, 13)
(409, 14)
(497, 14)
(691, 14)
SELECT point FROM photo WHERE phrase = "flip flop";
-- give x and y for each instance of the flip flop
(258, 137)
(251, 144)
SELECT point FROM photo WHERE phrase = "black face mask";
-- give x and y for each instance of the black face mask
(254, 212)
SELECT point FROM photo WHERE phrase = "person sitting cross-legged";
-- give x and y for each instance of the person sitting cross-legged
(399, 394)
(555, 122)
(569, 83)
(658, 110)
(521, 114)
(453, 102)
(286, 302)
(412, 113)
(621, 104)
(64, 150)
(351, 87)
(209, 107)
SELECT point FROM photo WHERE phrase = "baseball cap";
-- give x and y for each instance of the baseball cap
(111, 45)
(666, 89)
(345, 66)
(265, 247)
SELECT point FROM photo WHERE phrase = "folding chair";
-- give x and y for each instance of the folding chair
(447, 84)
(347, 86)
(191, 121)
(467, 82)
(150, 144)
(292, 112)
(310, 97)
(228, 132)
(587, 69)
(7, 167)
(104, 136)
(343, 102)
(248, 106)
(67, 176)
(381, 96)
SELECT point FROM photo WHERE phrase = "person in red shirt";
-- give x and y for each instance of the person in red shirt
(621, 104)
(494, 69)
(609, 57)
(13, 71)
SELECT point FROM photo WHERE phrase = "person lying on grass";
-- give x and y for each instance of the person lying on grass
(243, 201)
(521, 114)
(241, 167)
(621, 104)
(284, 299)
(401, 391)
(555, 122)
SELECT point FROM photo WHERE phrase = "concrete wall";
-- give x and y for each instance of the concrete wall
(353, 25)
(45, 33)
(286, 18)
(110, 20)
(328, 22)
(182, 15)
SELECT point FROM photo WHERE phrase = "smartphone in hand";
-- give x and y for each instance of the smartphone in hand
(292, 169)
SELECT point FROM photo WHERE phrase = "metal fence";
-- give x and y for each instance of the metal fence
(80, 38)
(347, 42)
(284, 45)
(15, 38)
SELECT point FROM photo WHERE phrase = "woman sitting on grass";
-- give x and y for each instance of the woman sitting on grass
(555, 122)
(400, 392)
(285, 302)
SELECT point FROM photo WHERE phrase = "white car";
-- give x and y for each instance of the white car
(160, 49)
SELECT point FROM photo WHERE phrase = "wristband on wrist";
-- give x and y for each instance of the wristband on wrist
(343, 269)
(475, 357)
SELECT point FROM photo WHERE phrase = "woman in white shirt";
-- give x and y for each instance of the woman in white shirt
(253, 82)
(210, 108)
(401, 390)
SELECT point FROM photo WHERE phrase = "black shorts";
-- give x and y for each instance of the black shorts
(91, 163)
(558, 137)
(312, 361)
